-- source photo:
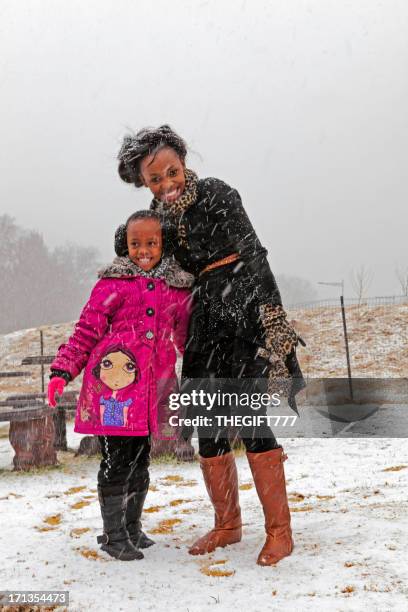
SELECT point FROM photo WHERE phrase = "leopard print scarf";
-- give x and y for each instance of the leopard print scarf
(179, 206)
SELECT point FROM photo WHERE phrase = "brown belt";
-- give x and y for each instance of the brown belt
(221, 262)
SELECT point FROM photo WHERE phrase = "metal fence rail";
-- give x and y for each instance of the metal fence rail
(371, 302)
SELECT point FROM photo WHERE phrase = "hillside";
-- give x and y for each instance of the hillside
(378, 341)
(378, 338)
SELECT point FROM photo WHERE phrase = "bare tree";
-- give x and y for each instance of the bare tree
(39, 286)
(360, 281)
(402, 275)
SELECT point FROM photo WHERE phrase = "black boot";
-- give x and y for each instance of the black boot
(133, 523)
(115, 539)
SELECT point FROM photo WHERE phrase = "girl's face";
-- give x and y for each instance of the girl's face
(163, 174)
(117, 371)
(144, 242)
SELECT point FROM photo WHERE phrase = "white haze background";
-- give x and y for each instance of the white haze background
(301, 106)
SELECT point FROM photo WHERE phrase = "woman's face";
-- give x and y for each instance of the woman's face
(117, 371)
(163, 174)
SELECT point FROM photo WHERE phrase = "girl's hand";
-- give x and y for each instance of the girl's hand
(56, 385)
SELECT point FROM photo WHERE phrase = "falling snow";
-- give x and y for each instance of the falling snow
(347, 499)
(349, 520)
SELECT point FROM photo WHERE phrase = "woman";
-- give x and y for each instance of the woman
(238, 328)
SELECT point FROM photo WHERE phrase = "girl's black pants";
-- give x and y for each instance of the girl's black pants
(125, 463)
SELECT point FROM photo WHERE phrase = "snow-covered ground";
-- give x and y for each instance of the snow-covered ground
(349, 516)
(348, 499)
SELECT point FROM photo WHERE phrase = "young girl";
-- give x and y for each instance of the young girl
(238, 328)
(137, 313)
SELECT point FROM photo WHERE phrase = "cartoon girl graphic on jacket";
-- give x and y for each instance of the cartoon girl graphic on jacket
(117, 370)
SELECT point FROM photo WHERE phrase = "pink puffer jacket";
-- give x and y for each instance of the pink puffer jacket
(126, 338)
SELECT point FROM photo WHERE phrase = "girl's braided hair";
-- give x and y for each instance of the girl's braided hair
(146, 142)
(169, 233)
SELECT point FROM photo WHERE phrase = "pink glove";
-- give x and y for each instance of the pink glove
(56, 385)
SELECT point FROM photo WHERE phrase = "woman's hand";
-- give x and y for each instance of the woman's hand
(56, 385)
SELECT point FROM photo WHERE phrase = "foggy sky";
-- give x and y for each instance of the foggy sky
(301, 106)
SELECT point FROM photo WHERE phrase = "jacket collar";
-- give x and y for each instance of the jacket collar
(168, 270)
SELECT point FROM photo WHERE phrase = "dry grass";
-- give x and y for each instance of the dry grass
(378, 340)
(4, 431)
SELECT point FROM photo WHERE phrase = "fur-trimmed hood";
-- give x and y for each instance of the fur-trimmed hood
(169, 270)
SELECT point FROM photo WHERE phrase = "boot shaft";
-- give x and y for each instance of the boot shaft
(221, 480)
(113, 508)
(134, 509)
(269, 478)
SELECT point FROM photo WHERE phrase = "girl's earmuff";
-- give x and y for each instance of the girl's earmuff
(121, 249)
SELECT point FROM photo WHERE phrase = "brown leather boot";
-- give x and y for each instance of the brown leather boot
(269, 477)
(221, 480)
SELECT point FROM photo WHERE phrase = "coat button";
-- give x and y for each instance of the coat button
(149, 334)
(150, 312)
(150, 285)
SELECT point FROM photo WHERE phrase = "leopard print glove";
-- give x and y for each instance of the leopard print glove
(280, 340)
(280, 337)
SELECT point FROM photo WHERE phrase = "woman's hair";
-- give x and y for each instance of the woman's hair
(117, 348)
(146, 142)
(169, 233)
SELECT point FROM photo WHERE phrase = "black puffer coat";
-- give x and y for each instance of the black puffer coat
(216, 226)
(228, 299)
